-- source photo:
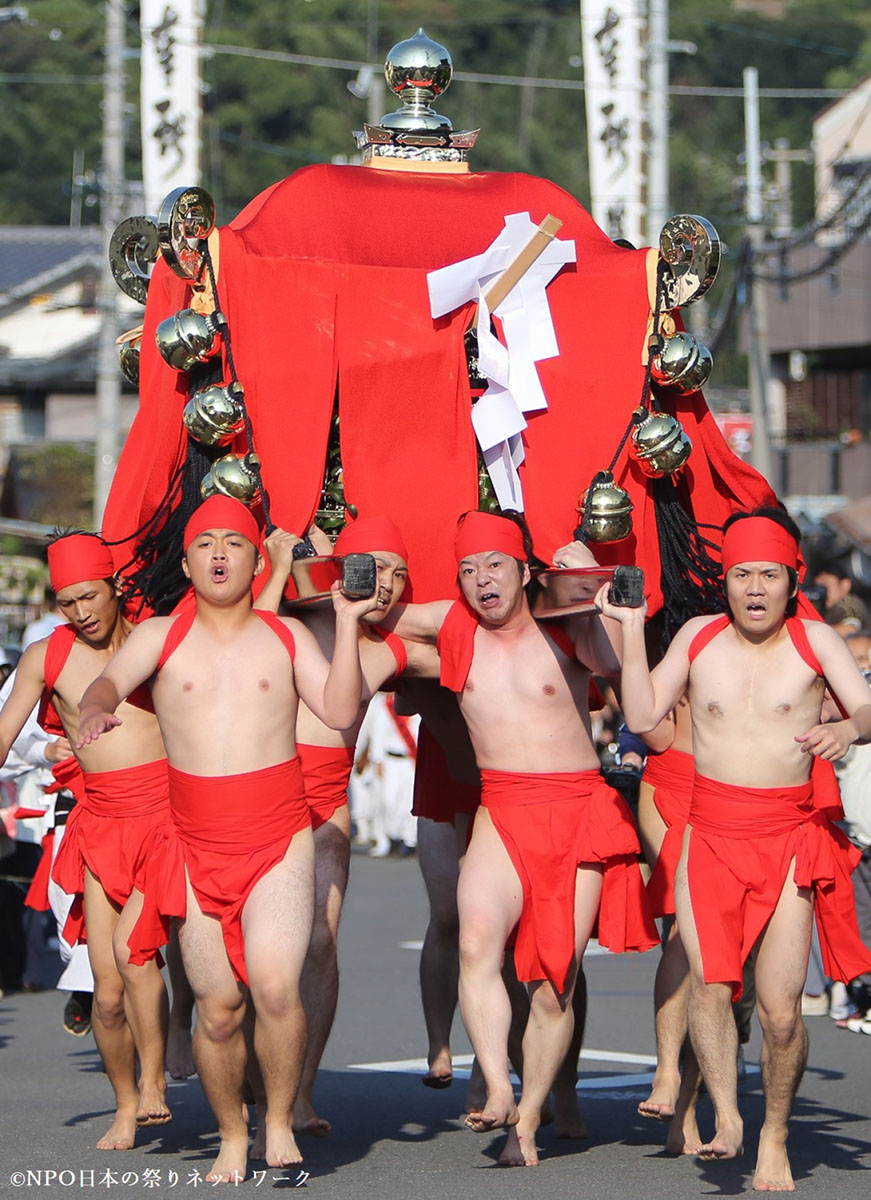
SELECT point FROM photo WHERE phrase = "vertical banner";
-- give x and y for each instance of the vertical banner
(171, 96)
(611, 37)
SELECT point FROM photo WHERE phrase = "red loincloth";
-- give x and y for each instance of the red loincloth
(326, 771)
(323, 278)
(550, 824)
(740, 849)
(437, 795)
(226, 832)
(670, 774)
(109, 832)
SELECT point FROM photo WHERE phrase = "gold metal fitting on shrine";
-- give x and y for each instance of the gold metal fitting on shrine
(683, 364)
(187, 338)
(213, 415)
(606, 509)
(659, 445)
(232, 476)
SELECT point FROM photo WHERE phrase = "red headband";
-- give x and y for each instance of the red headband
(77, 558)
(222, 512)
(758, 539)
(371, 533)
(479, 532)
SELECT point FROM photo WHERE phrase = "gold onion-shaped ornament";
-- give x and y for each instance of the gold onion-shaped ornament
(188, 337)
(606, 510)
(659, 444)
(683, 364)
(234, 476)
(213, 415)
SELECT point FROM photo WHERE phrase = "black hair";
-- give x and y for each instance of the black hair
(780, 517)
(834, 567)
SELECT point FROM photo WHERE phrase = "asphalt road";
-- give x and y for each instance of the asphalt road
(392, 1137)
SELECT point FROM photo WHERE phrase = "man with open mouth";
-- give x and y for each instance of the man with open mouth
(235, 863)
(760, 853)
(553, 848)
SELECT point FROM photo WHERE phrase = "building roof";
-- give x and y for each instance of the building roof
(36, 259)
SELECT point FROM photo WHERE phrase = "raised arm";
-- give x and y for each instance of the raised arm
(333, 691)
(134, 663)
(647, 697)
(832, 739)
(279, 550)
(418, 622)
(598, 640)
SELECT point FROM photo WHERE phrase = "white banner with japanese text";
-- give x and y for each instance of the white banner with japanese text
(612, 35)
(171, 96)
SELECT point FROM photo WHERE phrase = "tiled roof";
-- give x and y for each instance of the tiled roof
(35, 258)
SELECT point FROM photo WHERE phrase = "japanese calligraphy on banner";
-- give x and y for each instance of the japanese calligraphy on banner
(171, 98)
(611, 35)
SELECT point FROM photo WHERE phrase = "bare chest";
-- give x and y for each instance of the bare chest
(777, 686)
(519, 676)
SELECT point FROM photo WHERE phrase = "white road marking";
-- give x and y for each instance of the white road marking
(462, 1066)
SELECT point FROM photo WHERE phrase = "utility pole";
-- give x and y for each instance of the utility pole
(760, 454)
(108, 374)
(659, 47)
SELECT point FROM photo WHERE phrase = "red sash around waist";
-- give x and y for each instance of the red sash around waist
(326, 771)
(128, 792)
(670, 774)
(551, 824)
(742, 845)
(237, 812)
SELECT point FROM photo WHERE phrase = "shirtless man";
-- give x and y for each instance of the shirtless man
(327, 757)
(523, 691)
(755, 682)
(126, 799)
(237, 862)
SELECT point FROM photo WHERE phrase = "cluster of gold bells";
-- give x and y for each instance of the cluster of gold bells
(689, 248)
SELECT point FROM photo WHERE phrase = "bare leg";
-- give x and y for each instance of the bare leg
(147, 1011)
(712, 1030)
(319, 985)
(439, 958)
(670, 999)
(549, 1029)
(683, 1131)
(277, 925)
(781, 966)
(489, 899)
(179, 1052)
(568, 1118)
(218, 1041)
(112, 1033)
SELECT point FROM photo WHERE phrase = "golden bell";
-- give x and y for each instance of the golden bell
(231, 476)
(187, 338)
(660, 445)
(128, 356)
(610, 510)
(213, 415)
(683, 365)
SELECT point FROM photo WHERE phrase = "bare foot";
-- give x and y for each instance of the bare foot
(477, 1094)
(281, 1147)
(305, 1120)
(493, 1115)
(660, 1104)
(121, 1133)
(179, 1056)
(683, 1136)
(568, 1118)
(153, 1109)
(727, 1142)
(232, 1161)
(258, 1146)
(520, 1149)
(440, 1073)
(772, 1165)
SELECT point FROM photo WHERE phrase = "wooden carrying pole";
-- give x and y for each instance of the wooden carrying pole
(514, 272)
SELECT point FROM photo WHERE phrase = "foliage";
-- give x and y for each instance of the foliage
(264, 118)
